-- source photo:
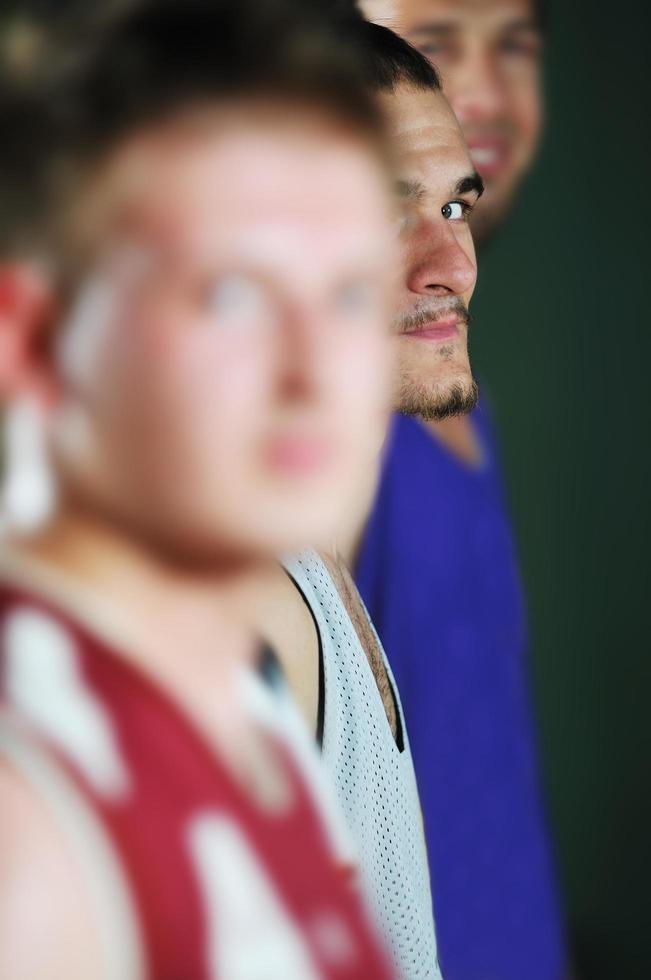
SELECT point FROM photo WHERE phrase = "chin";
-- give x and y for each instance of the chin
(439, 400)
(305, 525)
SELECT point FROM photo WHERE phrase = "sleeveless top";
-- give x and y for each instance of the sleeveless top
(188, 877)
(373, 776)
(438, 571)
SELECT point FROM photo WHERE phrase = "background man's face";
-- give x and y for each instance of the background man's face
(439, 187)
(488, 54)
(228, 354)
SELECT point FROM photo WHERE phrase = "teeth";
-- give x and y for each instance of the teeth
(484, 156)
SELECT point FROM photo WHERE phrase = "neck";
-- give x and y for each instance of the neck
(458, 435)
(152, 596)
(349, 536)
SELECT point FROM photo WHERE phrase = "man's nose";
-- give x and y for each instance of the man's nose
(303, 353)
(438, 265)
(476, 90)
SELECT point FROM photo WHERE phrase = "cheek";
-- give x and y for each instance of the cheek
(191, 388)
(526, 109)
(200, 358)
(219, 390)
(365, 366)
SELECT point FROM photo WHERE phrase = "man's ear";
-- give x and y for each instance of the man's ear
(26, 314)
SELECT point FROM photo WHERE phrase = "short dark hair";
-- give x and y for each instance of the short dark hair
(99, 77)
(389, 60)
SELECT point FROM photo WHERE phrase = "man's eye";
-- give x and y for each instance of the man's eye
(519, 47)
(236, 297)
(434, 50)
(430, 50)
(356, 298)
(456, 210)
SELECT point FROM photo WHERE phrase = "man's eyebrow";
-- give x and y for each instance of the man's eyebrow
(410, 190)
(522, 24)
(471, 183)
(435, 27)
(445, 28)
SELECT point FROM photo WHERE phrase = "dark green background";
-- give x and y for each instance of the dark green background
(562, 343)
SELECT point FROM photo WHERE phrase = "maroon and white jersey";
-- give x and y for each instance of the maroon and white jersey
(189, 877)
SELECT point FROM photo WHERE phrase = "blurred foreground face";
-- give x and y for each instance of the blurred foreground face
(439, 188)
(226, 355)
(488, 53)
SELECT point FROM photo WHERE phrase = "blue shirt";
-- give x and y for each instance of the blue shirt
(438, 572)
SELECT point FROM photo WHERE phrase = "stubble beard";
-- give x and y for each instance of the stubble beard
(459, 398)
(444, 399)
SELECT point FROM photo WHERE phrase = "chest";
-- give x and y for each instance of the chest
(365, 634)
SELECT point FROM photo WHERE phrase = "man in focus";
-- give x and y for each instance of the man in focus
(435, 560)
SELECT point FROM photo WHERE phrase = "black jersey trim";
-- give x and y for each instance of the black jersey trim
(320, 714)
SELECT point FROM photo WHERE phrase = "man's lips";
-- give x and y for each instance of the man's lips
(447, 329)
(491, 156)
(299, 455)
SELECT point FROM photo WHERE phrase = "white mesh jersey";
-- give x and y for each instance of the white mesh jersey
(374, 779)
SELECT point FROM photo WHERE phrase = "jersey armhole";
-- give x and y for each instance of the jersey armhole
(320, 714)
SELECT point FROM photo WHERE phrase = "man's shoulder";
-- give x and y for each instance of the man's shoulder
(35, 859)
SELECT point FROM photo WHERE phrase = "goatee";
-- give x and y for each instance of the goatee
(435, 407)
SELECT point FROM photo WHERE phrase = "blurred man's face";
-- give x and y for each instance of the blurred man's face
(488, 53)
(439, 187)
(227, 356)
